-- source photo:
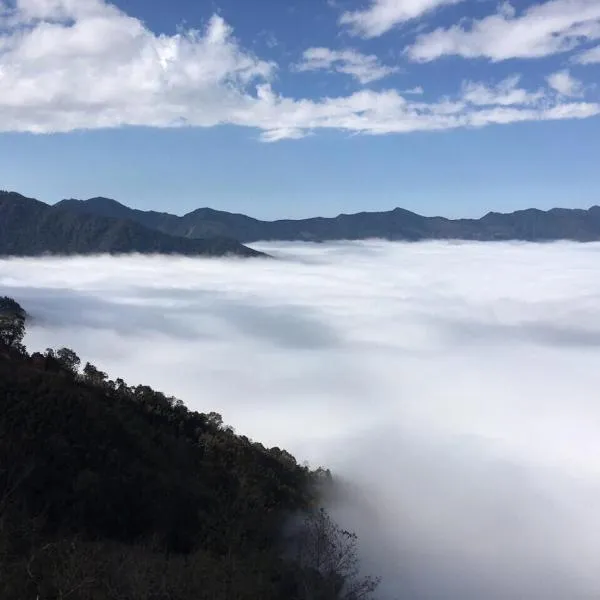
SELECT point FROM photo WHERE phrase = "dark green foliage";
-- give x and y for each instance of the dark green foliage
(68, 359)
(109, 491)
(12, 323)
(30, 228)
(93, 375)
(104, 453)
(397, 224)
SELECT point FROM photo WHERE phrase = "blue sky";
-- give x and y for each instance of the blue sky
(303, 107)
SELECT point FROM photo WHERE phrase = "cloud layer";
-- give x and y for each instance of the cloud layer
(540, 30)
(452, 387)
(67, 65)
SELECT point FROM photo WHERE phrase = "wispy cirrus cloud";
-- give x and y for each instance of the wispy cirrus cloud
(540, 30)
(564, 83)
(418, 90)
(386, 112)
(365, 68)
(588, 57)
(69, 65)
(382, 15)
(505, 93)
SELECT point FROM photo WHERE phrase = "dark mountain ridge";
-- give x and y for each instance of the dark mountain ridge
(397, 224)
(29, 227)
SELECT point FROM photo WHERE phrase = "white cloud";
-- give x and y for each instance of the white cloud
(363, 67)
(383, 15)
(27, 11)
(68, 65)
(384, 112)
(506, 93)
(541, 30)
(589, 57)
(564, 83)
(106, 69)
(463, 411)
(418, 90)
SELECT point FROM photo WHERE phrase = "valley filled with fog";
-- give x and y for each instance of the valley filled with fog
(453, 388)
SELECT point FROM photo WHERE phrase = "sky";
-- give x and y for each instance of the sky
(303, 107)
(460, 417)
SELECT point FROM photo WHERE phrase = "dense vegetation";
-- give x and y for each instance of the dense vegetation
(30, 228)
(113, 492)
(397, 224)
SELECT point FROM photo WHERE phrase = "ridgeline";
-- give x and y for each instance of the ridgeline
(397, 225)
(101, 225)
(31, 228)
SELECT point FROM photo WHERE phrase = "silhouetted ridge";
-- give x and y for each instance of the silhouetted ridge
(105, 207)
(29, 228)
(398, 224)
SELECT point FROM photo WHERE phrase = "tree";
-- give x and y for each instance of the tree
(214, 418)
(121, 387)
(145, 498)
(329, 556)
(68, 359)
(94, 375)
(12, 323)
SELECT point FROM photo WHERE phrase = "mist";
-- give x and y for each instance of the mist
(452, 388)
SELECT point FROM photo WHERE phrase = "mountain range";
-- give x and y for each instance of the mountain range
(29, 227)
(398, 224)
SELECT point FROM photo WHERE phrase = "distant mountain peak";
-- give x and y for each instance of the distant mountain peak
(8, 194)
(103, 201)
(206, 210)
(11, 193)
(96, 201)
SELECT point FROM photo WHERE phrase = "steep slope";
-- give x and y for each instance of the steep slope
(109, 491)
(29, 228)
(397, 224)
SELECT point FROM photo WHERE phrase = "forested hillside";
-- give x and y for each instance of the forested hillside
(31, 228)
(111, 492)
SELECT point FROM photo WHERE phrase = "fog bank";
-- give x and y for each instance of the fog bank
(453, 387)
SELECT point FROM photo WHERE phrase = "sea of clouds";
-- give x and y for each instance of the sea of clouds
(454, 389)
